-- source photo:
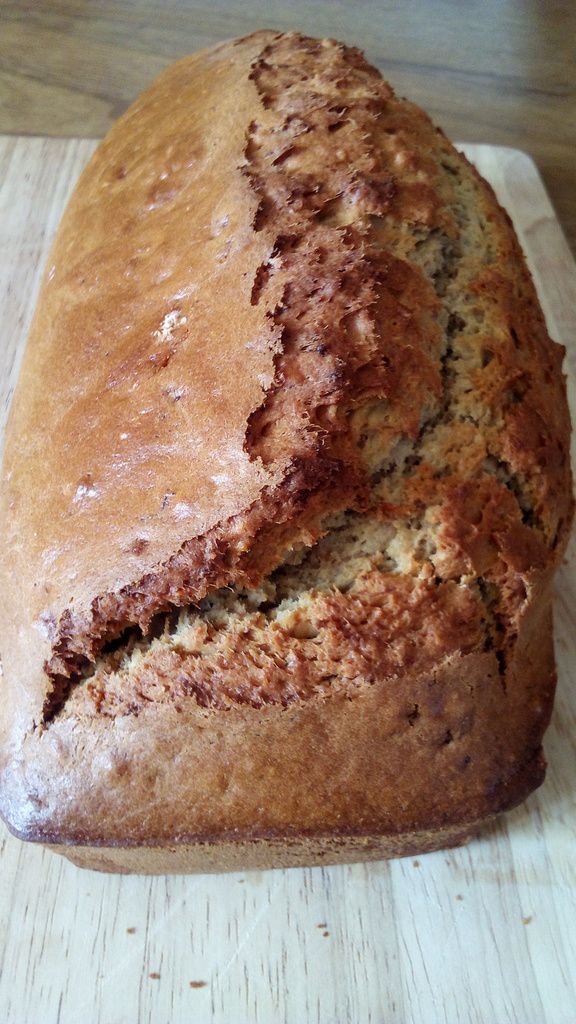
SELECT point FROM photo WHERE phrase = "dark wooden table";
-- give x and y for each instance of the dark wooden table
(499, 71)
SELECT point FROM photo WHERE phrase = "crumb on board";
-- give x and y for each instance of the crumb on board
(130, 931)
(527, 920)
(415, 863)
(198, 984)
(459, 896)
(154, 975)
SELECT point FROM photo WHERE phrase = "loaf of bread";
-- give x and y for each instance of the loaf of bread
(286, 480)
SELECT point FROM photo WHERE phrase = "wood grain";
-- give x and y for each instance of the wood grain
(480, 935)
(496, 71)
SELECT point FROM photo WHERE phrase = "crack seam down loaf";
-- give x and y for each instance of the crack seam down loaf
(334, 235)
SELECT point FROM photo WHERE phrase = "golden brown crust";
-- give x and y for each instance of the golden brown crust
(426, 751)
(290, 298)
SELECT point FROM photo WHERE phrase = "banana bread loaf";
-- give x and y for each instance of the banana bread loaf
(285, 484)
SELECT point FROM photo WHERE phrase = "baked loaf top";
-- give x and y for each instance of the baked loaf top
(289, 425)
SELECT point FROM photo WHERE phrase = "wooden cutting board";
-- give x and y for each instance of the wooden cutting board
(483, 934)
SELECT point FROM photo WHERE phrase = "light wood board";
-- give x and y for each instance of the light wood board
(485, 934)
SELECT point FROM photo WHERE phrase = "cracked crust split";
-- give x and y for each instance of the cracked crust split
(378, 385)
